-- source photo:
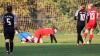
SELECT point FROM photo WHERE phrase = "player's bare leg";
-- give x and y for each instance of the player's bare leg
(85, 33)
(91, 36)
(35, 39)
(41, 40)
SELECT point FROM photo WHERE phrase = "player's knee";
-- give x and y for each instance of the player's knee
(86, 31)
(35, 39)
(91, 31)
(7, 40)
(41, 40)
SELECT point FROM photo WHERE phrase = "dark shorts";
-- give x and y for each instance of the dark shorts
(9, 33)
(80, 28)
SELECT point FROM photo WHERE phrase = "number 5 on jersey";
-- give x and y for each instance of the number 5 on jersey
(8, 21)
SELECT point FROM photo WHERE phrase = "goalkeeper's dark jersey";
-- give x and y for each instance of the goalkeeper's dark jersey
(81, 16)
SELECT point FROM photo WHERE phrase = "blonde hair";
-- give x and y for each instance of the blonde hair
(90, 4)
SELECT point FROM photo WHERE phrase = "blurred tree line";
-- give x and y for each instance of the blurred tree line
(46, 13)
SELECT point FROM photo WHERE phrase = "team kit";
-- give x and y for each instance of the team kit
(85, 19)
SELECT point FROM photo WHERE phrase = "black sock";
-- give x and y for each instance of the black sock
(55, 39)
(7, 46)
(51, 39)
(11, 46)
(78, 38)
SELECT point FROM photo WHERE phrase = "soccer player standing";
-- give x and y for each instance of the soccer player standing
(80, 16)
(9, 25)
(93, 14)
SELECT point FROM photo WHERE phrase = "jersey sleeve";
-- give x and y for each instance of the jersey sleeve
(76, 14)
(77, 11)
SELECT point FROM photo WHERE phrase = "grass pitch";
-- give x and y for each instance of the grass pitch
(66, 46)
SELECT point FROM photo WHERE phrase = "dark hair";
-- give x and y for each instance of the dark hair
(82, 4)
(9, 8)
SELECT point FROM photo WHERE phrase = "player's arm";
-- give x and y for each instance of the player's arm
(97, 15)
(2, 21)
(15, 23)
(76, 15)
(87, 17)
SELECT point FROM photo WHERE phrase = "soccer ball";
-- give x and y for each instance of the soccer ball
(88, 42)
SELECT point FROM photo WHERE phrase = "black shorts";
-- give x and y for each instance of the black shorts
(9, 33)
(80, 28)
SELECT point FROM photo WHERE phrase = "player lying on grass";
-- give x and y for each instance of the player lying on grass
(24, 37)
(39, 33)
(90, 26)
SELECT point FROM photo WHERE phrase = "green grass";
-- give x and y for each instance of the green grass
(66, 46)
